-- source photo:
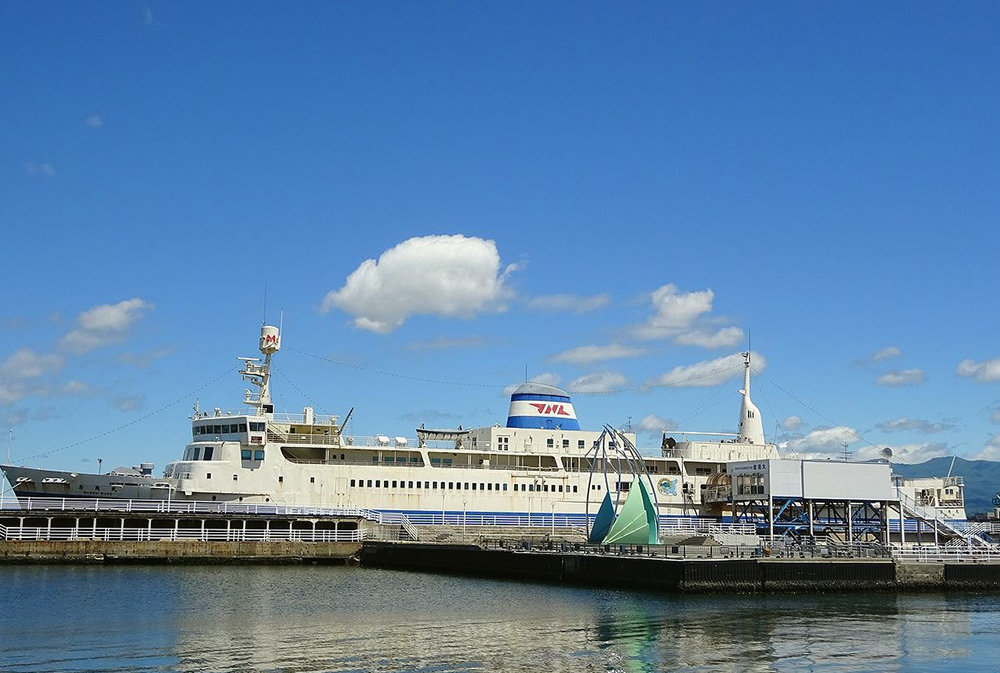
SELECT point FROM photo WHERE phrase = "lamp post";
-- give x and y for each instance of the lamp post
(464, 529)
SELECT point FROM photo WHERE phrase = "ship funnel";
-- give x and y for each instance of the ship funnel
(270, 340)
(536, 405)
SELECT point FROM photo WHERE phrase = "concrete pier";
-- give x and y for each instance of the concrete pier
(679, 575)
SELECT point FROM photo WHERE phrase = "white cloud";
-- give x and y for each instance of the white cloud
(906, 377)
(707, 373)
(674, 312)
(94, 121)
(791, 423)
(104, 325)
(995, 418)
(685, 317)
(570, 302)
(987, 371)
(20, 372)
(74, 387)
(599, 382)
(991, 451)
(907, 453)
(27, 364)
(444, 343)
(45, 169)
(586, 355)
(546, 378)
(820, 443)
(904, 424)
(886, 353)
(448, 276)
(129, 402)
(143, 360)
(653, 425)
(725, 337)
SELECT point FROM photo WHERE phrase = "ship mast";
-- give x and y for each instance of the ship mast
(259, 375)
(751, 427)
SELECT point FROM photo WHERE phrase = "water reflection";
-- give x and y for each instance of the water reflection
(237, 619)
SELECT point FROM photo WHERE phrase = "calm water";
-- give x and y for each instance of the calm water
(351, 619)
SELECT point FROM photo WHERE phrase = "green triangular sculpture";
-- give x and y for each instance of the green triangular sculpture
(602, 523)
(636, 524)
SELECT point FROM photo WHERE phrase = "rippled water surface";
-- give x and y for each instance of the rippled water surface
(351, 619)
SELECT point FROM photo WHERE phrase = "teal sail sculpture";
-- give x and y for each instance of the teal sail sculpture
(602, 524)
(636, 523)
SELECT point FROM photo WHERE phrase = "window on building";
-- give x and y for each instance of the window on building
(208, 475)
(258, 454)
(236, 477)
(580, 445)
(209, 450)
(505, 487)
(565, 443)
(246, 454)
(550, 443)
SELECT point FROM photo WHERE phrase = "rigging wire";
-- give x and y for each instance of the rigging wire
(420, 379)
(708, 404)
(300, 391)
(848, 430)
(45, 454)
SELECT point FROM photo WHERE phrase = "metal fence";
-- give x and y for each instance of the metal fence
(824, 551)
(174, 534)
(940, 554)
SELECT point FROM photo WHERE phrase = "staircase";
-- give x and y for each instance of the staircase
(913, 510)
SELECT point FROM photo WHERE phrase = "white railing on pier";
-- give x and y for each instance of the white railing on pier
(938, 553)
(668, 525)
(43, 533)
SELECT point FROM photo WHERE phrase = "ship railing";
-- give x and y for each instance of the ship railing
(939, 553)
(120, 534)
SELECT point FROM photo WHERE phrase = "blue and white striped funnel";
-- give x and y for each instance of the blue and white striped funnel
(536, 405)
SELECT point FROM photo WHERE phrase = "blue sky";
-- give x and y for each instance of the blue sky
(611, 196)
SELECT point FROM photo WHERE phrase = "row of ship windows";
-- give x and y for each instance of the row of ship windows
(459, 486)
(226, 429)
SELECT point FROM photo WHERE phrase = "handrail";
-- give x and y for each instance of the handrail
(23, 533)
(931, 517)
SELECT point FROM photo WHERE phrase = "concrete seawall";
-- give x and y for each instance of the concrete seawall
(651, 573)
(749, 575)
(179, 551)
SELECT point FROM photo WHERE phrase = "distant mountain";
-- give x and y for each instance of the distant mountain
(982, 478)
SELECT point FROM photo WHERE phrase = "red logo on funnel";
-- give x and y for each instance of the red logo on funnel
(556, 409)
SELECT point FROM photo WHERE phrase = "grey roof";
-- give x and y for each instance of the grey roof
(532, 388)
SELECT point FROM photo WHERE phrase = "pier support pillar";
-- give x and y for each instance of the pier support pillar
(149, 529)
(770, 517)
(121, 534)
(850, 522)
(812, 528)
(902, 524)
